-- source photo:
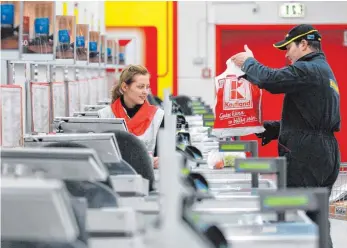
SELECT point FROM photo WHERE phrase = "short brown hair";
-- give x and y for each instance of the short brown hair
(127, 76)
(315, 46)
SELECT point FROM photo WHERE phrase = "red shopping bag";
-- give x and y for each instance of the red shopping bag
(238, 109)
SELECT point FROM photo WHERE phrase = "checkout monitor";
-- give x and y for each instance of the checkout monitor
(93, 108)
(105, 144)
(88, 125)
(66, 164)
(87, 114)
(39, 203)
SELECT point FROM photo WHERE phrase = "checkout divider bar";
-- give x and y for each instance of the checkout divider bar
(309, 199)
(276, 166)
(242, 146)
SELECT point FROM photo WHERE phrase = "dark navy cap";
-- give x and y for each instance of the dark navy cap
(300, 32)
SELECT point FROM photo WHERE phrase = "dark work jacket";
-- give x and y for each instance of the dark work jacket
(310, 115)
(311, 99)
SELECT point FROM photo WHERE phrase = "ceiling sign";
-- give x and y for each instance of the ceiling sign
(292, 10)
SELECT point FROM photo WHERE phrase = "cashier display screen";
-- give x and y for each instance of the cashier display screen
(232, 147)
(208, 117)
(254, 166)
(282, 201)
(200, 111)
(185, 171)
(196, 103)
(209, 123)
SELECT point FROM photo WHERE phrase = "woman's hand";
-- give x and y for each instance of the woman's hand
(156, 162)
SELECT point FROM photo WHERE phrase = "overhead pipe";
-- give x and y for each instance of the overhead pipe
(255, 9)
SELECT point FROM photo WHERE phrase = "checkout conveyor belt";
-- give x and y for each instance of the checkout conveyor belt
(233, 196)
(251, 211)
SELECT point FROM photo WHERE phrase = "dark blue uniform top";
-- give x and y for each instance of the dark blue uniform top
(310, 116)
(311, 99)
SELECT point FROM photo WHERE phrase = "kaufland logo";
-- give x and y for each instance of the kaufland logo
(237, 94)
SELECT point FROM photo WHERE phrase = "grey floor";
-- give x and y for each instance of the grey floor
(339, 233)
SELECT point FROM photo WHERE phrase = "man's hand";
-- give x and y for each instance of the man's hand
(156, 162)
(240, 58)
(272, 129)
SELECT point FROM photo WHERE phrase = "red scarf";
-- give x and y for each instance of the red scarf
(141, 120)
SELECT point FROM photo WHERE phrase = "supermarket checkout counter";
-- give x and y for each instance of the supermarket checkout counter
(38, 211)
(121, 226)
(123, 177)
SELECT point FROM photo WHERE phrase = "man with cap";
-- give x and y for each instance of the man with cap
(311, 108)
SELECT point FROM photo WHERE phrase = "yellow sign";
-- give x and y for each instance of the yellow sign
(148, 14)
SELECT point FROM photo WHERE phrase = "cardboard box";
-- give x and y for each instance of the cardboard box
(338, 210)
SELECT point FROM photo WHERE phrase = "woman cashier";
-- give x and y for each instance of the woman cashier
(129, 101)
